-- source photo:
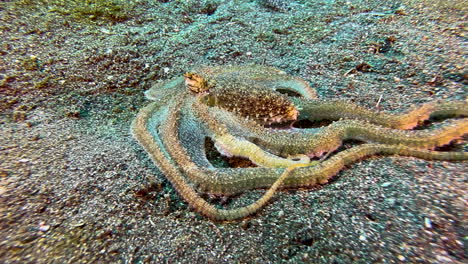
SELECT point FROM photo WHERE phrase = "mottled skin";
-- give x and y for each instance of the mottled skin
(236, 107)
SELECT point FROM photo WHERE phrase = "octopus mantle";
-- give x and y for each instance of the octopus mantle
(250, 112)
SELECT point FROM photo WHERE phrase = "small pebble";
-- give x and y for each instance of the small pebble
(443, 259)
(386, 184)
(390, 201)
(105, 31)
(281, 214)
(43, 227)
(427, 222)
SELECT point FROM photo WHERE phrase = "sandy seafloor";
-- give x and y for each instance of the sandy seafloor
(75, 187)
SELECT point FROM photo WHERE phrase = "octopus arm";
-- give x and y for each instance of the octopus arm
(314, 110)
(241, 180)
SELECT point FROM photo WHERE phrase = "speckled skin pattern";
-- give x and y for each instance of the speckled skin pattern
(237, 107)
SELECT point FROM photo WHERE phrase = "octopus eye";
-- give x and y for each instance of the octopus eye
(195, 82)
(288, 92)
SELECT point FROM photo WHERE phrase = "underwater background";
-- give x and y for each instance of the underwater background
(75, 187)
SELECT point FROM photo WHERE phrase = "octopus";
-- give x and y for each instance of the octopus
(275, 124)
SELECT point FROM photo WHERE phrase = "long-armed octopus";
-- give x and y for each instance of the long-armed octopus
(250, 111)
